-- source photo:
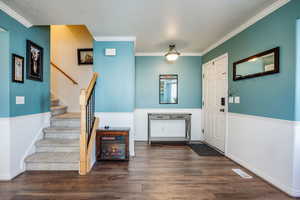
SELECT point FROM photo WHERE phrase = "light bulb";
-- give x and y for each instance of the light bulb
(172, 56)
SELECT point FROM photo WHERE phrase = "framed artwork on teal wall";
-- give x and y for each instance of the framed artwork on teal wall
(17, 68)
(34, 56)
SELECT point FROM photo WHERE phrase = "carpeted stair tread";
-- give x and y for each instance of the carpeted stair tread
(53, 157)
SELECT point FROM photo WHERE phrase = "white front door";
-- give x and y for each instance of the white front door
(215, 86)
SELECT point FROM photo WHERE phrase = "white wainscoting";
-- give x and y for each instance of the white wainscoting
(166, 127)
(119, 119)
(25, 131)
(19, 137)
(268, 147)
(4, 149)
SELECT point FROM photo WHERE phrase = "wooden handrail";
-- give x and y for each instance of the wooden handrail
(64, 73)
(91, 85)
(87, 120)
(86, 93)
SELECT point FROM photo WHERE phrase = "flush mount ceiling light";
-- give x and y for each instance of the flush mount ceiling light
(172, 54)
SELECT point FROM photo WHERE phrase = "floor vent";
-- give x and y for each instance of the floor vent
(242, 174)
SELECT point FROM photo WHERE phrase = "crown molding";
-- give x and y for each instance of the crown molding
(113, 39)
(149, 54)
(116, 39)
(9, 11)
(164, 53)
(270, 9)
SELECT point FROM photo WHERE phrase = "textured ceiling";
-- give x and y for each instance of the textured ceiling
(193, 25)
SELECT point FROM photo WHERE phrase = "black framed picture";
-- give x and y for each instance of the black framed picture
(17, 68)
(34, 56)
(85, 56)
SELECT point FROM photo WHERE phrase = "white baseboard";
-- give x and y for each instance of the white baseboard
(5, 148)
(21, 135)
(45, 117)
(266, 146)
(289, 190)
(5, 177)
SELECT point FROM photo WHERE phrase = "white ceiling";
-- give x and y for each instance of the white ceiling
(193, 25)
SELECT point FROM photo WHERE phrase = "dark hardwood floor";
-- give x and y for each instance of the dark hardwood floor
(156, 173)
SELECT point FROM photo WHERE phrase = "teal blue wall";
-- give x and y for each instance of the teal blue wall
(37, 94)
(297, 113)
(269, 96)
(115, 87)
(148, 69)
(4, 70)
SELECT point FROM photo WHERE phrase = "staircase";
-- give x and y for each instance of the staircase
(59, 148)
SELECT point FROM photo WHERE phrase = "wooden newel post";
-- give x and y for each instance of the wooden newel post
(90, 122)
(83, 138)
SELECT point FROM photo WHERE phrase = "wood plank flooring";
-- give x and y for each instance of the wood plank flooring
(156, 173)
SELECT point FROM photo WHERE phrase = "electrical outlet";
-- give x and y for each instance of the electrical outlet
(231, 100)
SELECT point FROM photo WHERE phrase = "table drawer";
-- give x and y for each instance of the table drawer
(160, 117)
(179, 117)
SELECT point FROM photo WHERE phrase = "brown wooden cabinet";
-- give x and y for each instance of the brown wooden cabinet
(112, 144)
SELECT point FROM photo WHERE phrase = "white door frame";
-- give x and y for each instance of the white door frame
(227, 102)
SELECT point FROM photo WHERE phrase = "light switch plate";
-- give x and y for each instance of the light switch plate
(236, 99)
(20, 100)
(231, 100)
(110, 52)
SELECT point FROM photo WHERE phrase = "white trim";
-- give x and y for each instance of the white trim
(8, 10)
(251, 135)
(116, 39)
(289, 190)
(274, 120)
(273, 7)
(113, 39)
(150, 54)
(21, 133)
(163, 54)
(30, 115)
(5, 177)
(39, 135)
(227, 106)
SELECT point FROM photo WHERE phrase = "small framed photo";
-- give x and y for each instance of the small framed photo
(17, 68)
(85, 56)
(34, 56)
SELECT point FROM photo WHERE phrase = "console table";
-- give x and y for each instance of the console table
(170, 116)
